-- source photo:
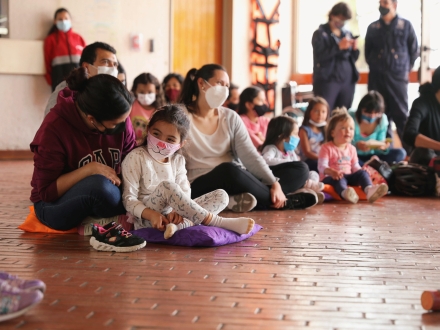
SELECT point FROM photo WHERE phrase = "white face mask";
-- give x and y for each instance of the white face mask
(146, 99)
(216, 95)
(112, 71)
(314, 123)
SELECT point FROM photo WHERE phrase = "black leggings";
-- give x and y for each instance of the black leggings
(235, 180)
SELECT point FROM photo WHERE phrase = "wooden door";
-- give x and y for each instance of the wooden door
(197, 34)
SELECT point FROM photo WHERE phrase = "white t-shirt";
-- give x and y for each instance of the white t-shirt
(216, 148)
(273, 156)
(141, 174)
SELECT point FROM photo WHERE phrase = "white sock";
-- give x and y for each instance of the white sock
(366, 189)
(172, 228)
(239, 225)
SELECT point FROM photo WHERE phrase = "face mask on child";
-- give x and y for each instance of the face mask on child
(146, 99)
(261, 109)
(159, 149)
(64, 25)
(314, 123)
(172, 94)
(216, 95)
(369, 119)
(292, 144)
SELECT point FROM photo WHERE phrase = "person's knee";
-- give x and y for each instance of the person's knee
(169, 185)
(222, 196)
(399, 154)
(103, 189)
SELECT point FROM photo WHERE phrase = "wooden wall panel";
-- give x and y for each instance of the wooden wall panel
(197, 33)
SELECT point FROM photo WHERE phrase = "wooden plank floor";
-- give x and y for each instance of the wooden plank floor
(335, 266)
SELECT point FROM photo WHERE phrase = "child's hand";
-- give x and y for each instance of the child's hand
(362, 146)
(158, 220)
(336, 175)
(175, 218)
(386, 146)
(107, 171)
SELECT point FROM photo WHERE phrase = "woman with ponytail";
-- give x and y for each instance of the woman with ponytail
(220, 153)
(422, 130)
(78, 152)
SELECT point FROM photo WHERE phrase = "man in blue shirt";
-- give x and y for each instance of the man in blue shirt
(390, 50)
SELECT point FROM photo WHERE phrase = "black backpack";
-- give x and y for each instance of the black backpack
(413, 180)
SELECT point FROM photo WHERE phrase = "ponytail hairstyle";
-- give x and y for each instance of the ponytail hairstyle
(372, 102)
(338, 114)
(54, 27)
(102, 96)
(172, 114)
(148, 78)
(430, 89)
(312, 102)
(279, 128)
(248, 95)
(190, 89)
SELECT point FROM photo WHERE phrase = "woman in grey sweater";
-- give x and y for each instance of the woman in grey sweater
(220, 154)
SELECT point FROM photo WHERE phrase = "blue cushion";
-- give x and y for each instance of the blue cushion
(195, 236)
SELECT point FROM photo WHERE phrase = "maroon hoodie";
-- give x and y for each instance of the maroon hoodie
(64, 143)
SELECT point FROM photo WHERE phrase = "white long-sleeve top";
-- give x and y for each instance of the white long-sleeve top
(141, 174)
(274, 156)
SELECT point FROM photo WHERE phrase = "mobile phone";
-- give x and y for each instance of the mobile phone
(355, 37)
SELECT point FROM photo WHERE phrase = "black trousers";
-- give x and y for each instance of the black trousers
(235, 180)
(337, 94)
(395, 95)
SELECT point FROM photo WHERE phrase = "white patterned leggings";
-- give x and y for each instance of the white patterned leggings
(168, 196)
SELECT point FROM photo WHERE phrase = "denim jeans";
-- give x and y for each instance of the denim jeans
(394, 155)
(358, 178)
(92, 196)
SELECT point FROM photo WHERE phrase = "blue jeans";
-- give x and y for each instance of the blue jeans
(394, 155)
(92, 196)
(358, 178)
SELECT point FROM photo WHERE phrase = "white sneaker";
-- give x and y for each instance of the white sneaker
(377, 191)
(321, 197)
(315, 186)
(350, 195)
(314, 176)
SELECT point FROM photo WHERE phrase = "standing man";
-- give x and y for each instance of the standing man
(390, 50)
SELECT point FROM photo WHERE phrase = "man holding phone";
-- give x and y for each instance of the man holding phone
(390, 50)
(334, 55)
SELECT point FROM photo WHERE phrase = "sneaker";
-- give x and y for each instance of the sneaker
(314, 185)
(350, 195)
(243, 202)
(314, 176)
(301, 199)
(377, 191)
(321, 197)
(27, 285)
(85, 228)
(112, 237)
(15, 302)
(437, 185)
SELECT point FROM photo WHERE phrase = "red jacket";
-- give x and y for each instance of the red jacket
(64, 143)
(62, 52)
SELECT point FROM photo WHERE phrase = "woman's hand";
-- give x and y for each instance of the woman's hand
(98, 168)
(345, 43)
(277, 196)
(175, 218)
(156, 219)
(362, 146)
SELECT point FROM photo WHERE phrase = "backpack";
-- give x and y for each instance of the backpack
(413, 180)
(382, 168)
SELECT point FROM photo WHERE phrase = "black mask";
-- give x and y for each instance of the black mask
(233, 106)
(119, 128)
(261, 109)
(383, 11)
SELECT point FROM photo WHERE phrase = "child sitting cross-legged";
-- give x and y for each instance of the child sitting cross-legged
(156, 191)
(338, 161)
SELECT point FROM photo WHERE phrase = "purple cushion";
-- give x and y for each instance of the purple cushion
(195, 236)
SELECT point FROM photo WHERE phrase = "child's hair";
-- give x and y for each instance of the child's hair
(54, 27)
(231, 88)
(314, 101)
(371, 103)
(247, 95)
(148, 78)
(278, 129)
(338, 114)
(190, 90)
(175, 115)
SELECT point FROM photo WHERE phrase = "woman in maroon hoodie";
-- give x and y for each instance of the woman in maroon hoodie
(78, 152)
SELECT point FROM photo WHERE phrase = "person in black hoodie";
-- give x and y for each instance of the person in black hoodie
(334, 54)
(78, 151)
(422, 130)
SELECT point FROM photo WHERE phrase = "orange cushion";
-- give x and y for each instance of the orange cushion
(331, 191)
(33, 225)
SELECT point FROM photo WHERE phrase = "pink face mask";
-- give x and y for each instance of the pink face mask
(159, 149)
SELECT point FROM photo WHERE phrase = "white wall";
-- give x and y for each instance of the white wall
(23, 97)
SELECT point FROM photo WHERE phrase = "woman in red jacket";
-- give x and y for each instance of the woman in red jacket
(62, 49)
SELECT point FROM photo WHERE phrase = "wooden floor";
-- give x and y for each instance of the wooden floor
(335, 266)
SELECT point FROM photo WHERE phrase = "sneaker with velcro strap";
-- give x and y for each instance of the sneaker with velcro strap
(112, 237)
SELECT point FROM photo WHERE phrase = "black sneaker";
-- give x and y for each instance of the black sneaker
(301, 199)
(112, 237)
